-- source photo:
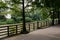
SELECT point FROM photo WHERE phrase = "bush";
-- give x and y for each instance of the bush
(28, 19)
(2, 20)
(2, 23)
(18, 19)
(10, 21)
(36, 17)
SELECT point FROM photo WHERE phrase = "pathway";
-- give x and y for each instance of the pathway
(51, 33)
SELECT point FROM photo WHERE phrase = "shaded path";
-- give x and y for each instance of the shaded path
(51, 33)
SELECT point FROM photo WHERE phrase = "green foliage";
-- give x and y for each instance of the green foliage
(37, 3)
(2, 5)
(10, 21)
(28, 19)
(44, 13)
(39, 14)
(2, 23)
(18, 19)
(36, 17)
(15, 1)
(52, 3)
(36, 13)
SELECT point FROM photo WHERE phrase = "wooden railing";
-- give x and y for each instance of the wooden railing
(10, 30)
(15, 29)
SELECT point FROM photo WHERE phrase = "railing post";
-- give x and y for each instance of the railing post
(37, 25)
(49, 23)
(8, 30)
(46, 23)
(29, 27)
(57, 21)
(33, 26)
(16, 29)
(41, 24)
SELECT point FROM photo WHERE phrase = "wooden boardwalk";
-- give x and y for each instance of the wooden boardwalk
(51, 33)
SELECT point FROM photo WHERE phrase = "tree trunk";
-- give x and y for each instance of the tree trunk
(24, 31)
(53, 17)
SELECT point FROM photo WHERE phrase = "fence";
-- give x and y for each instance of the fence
(15, 29)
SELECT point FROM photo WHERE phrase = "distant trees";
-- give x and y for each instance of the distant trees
(55, 5)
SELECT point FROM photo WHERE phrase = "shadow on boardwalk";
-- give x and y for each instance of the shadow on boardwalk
(51, 33)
